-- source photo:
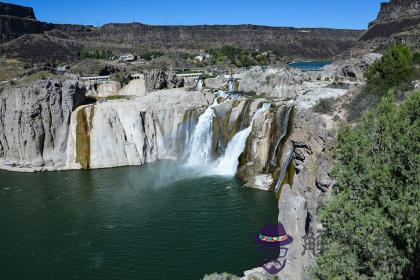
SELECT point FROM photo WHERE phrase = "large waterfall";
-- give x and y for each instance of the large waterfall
(199, 146)
(228, 163)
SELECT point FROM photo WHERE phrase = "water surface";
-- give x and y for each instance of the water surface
(128, 223)
(309, 65)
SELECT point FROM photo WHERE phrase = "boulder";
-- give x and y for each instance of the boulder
(159, 79)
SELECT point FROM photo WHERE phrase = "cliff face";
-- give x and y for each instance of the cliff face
(397, 9)
(16, 11)
(133, 132)
(18, 20)
(310, 42)
(34, 123)
(305, 42)
(398, 18)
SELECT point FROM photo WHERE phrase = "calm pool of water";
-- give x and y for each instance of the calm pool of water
(309, 65)
(128, 223)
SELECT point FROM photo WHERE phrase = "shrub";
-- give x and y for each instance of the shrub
(150, 54)
(239, 57)
(416, 58)
(324, 106)
(96, 54)
(372, 224)
(393, 69)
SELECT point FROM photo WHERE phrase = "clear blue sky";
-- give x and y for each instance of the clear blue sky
(298, 13)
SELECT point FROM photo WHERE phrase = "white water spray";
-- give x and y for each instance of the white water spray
(199, 84)
(199, 148)
(228, 164)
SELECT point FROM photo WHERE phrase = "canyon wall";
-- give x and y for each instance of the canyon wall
(34, 123)
(399, 19)
(313, 43)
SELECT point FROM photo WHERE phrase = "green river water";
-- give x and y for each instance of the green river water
(153, 222)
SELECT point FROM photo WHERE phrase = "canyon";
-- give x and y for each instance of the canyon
(26, 37)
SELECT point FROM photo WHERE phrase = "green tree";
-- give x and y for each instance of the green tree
(372, 227)
(393, 69)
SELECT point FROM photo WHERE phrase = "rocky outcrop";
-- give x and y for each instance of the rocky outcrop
(16, 11)
(34, 123)
(42, 127)
(307, 187)
(271, 82)
(351, 68)
(259, 161)
(18, 20)
(397, 18)
(133, 132)
(397, 9)
(159, 79)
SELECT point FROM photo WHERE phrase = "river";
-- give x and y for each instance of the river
(159, 221)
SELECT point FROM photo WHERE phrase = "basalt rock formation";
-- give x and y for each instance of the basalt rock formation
(159, 79)
(315, 43)
(18, 20)
(16, 11)
(399, 19)
(309, 42)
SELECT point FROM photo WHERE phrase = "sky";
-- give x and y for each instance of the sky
(352, 14)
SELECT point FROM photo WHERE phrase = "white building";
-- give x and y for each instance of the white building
(127, 58)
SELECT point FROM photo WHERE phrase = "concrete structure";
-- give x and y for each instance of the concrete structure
(127, 58)
(96, 79)
(190, 75)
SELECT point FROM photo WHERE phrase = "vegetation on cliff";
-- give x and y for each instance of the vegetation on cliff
(239, 57)
(394, 69)
(372, 226)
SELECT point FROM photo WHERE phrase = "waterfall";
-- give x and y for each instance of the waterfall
(199, 147)
(288, 159)
(228, 164)
(199, 84)
(231, 85)
(285, 126)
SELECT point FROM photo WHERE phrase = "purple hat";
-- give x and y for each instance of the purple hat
(274, 235)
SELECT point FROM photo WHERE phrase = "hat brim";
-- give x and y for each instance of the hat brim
(288, 241)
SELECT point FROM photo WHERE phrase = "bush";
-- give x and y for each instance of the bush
(416, 58)
(96, 54)
(239, 57)
(372, 223)
(122, 77)
(149, 54)
(324, 106)
(393, 69)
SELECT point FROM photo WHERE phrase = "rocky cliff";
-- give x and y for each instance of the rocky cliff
(397, 9)
(134, 132)
(18, 20)
(397, 18)
(35, 121)
(16, 11)
(308, 42)
(296, 42)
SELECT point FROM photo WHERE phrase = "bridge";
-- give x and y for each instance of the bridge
(96, 79)
(190, 75)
